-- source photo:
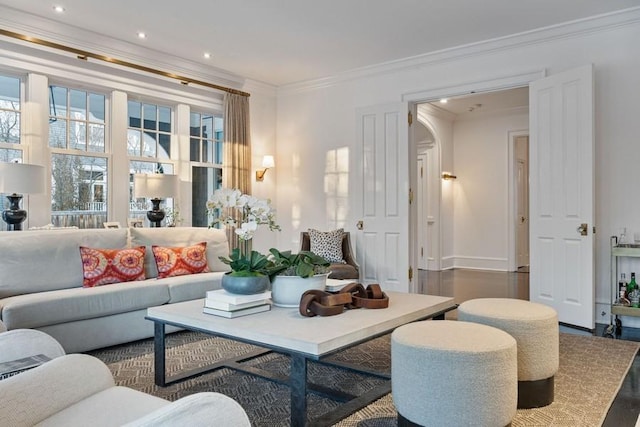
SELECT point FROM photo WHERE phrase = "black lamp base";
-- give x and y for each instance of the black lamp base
(155, 215)
(14, 216)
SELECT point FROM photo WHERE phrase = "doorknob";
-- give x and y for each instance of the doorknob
(360, 225)
(583, 229)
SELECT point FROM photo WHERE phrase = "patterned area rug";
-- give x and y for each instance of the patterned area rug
(591, 372)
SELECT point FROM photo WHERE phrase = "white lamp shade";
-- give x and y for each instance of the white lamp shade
(268, 162)
(155, 186)
(21, 178)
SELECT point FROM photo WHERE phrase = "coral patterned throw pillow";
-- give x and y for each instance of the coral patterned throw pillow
(179, 261)
(106, 266)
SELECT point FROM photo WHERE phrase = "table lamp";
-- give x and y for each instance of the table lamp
(18, 178)
(155, 186)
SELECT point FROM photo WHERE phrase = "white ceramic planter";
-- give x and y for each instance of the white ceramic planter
(287, 290)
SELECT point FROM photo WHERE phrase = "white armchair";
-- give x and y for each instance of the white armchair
(78, 390)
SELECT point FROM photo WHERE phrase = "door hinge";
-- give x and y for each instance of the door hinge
(410, 196)
(421, 171)
(410, 118)
(422, 251)
(410, 273)
(594, 229)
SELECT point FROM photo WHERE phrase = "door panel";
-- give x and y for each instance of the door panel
(383, 244)
(561, 195)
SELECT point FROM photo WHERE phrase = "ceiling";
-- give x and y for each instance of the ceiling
(287, 41)
(486, 102)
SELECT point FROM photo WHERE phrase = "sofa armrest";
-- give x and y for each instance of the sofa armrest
(19, 343)
(197, 410)
(33, 396)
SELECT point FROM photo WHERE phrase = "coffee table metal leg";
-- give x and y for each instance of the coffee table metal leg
(159, 350)
(298, 384)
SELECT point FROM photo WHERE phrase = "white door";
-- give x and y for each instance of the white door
(522, 200)
(383, 241)
(561, 195)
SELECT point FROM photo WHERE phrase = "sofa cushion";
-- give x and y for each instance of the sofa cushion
(106, 266)
(67, 305)
(195, 286)
(46, 260)
(327, 244)
(217, 244)
(180, 261)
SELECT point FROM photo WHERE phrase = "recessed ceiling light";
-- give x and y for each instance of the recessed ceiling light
(444, 101)
(207, 55)
(58, 9)
(142, 35)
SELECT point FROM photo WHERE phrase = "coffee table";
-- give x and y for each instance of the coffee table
(285, 331)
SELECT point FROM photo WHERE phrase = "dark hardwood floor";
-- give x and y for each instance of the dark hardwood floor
(463, 285)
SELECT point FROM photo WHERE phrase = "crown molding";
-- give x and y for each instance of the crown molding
(46, 29)
(577, 28)
(427, 110)
(481, 115)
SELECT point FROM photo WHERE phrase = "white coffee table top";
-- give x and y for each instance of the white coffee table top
(315, 336)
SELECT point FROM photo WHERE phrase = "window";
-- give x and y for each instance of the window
(10, 116)
(79, 167)
(149, 133)
(76, 120)
(206, 143)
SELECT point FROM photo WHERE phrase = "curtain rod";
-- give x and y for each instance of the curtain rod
(84, 55)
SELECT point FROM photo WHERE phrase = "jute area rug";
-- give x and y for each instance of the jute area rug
(591, 372)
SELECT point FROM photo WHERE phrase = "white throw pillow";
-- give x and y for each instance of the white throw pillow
(327, 244)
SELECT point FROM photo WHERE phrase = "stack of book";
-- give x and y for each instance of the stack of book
(226, 304)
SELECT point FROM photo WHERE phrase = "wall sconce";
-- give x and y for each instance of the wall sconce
(447, 175)
(267, 162)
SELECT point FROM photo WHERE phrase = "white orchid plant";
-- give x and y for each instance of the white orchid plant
(244, 213)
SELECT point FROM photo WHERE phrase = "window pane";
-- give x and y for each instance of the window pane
(58, 101)
(205, 182)
(164, 114)
(194, 127)
(208, 151)
(8, 155)
(207, 127)
(96, 106)
(164, 147)
(219, 153)
(58, 134)
(135, 116)
(78, 104)
(134, 141)
(78, 191)
(96, 138)
(77, 135)
(150, 117)
(9, 93)
(194, 149)
(149, 144)
(9, 126)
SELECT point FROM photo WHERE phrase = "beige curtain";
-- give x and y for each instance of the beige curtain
(236, 171)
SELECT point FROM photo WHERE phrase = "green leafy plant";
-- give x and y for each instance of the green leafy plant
(303, 264)
(241, 265)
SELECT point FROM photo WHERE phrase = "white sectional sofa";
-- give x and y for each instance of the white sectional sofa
(41, 280)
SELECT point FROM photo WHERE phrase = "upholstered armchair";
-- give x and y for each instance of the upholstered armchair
(347, 270)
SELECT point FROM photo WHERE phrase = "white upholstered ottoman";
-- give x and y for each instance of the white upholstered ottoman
(452, 373)
(535, 328)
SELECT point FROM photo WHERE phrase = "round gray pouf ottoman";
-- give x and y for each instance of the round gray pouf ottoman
(535, 329)
(452, 373)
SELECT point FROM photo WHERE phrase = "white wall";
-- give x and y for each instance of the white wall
(315, 119)
(480, 158)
